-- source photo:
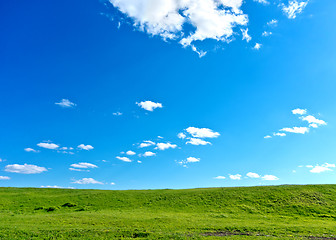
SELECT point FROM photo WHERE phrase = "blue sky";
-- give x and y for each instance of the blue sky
(83, 83)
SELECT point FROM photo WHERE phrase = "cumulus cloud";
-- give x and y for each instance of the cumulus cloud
(48, 145)
(293, 8)
(130, 153)
(257, 46)
(279, 134)
(146, 144)
(87, 181)
(171, 19)
(299, 111)
(4, 178)
(149, 105)
(197, 141)
(25, 169)
(124, 159)
(202, 132)
(262, 2)
(313, 121)
(252, 175)
(189, 160)
(321, 168)
(55, 186)
(66, 103)
(181, 135)
(83, 165)
(270, 178)
(235, 177)
(246, 36)
(219, 177)
(30, 150)
(148, 154)
(85, 147)
(301, 130)
(164, 146)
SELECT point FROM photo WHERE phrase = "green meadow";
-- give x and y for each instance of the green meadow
(271, 212)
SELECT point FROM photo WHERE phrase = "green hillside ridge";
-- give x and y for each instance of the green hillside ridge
(277, 212)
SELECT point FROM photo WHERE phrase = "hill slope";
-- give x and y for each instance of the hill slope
(233, 213)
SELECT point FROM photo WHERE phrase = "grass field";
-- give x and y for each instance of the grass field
(277, 212)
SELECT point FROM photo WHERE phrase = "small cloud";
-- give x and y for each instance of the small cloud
(83, 165)
(146, 144)
(300, 130)
(197, 141)
(293, 8)
(279, 134)
(220, 177)
(112, 183)
(130, 153)
(321, 168)
(87, 181)
(264, 2)
(4, 178)
(65, 103)
(253, 175)
(30, 150)
(139, 161)
(270, 178)
(235, 177)
(149, 105)
(189, 160)
(202, 132)
(124, 159)
(148, 154)
(268, 136)
(181, 135)
(246, 36)
(299, 111)
(25, 169)
(117, 114)
(79, 170)
(47, 145)
(314, 122)
(257, 46)
(85, 147)
(266, 34)
(272, 23)
(164, 146)
(55, 186)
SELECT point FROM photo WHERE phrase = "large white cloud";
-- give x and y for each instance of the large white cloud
(202, 132)
(299, 111)
(164, 146)
(185, 20)
(313, 121)
(25, 169)
(48, 145)
(270, 178)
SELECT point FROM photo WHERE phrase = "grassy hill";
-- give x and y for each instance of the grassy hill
(277, 212)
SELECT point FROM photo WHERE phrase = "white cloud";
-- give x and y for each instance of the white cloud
(272, 23)
(87, 181)
(268, 136)
(112, 183)
(219, 177)
(246, 36)
(65, 103)
(270, 178)
(164, 146)
(181, 135)
(130, 153)
(314, 122)
(293, 8)
(301, 130)
(30, 150)
(46, 145)
(235, 177)
(262, 2)
(117, 114)
(197, 141)
(85, 147)
(55, 186)
(25, 169)
(146, 144)
(4, 178)
(149, 105)
(257, 46)
(83, 165)
(193, 160)
(266, 34)
(321, 168)
(149, 154)
(253, 175)
(124, 159)
(171, 19)
(78, 170)
(299, 111)
(279, 134)
(202, 132)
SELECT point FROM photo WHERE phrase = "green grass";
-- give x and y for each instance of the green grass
(279, 212)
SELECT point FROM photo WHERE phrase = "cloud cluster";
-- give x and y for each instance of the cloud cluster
(195, 136)
(4, 178)
(326, 167)
(293, 8)
(312, 121)
(252, 175)
(25, 169)
(149, 105)
(189, 160)
(66, 103)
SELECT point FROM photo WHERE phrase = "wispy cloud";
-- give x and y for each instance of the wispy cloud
(85, 147)
(146, 144)
(4, 178)
(270, 178)
(257, 46)
(197, 141)
(220, 177)
(149, 105)
(245, 34)
(30, 150)
(124, 159)
(48, 145)
(164, 146)
(87, 181)
(83, 165)
(66, 103)
(293, 8)
(25, 169)
(326, 167)
(301, 130)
